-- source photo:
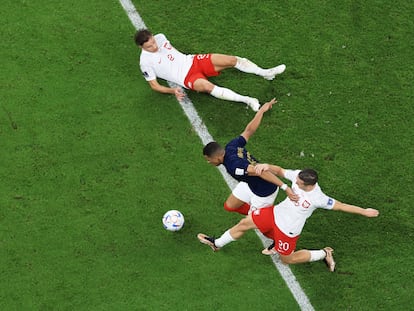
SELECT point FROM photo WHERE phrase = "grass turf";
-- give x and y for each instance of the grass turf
(92, 158)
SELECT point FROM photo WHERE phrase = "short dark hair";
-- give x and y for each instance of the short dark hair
(142, 36)
(308, 176)
(211, 148)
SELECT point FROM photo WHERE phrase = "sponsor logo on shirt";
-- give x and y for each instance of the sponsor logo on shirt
(239, 172)
(145, 74)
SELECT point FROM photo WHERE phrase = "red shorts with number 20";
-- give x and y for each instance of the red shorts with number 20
(265, 221)
(202, 68)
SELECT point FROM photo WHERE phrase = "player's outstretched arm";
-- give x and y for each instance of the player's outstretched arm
(166, 90)
(348, 208)
(255, 122)
(267, 174)
(275, 169)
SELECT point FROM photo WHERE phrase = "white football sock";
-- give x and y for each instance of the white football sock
(317, 255)
(245, 65)
(225, 239)
(227, 94)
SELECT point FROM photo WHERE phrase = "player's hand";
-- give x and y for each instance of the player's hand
(179, 94)
(260, 168)
(370, 212)
(292, 196)
(267, 106)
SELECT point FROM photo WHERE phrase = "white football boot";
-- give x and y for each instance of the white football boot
(273, 72)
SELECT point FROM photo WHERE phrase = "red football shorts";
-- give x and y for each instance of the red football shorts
(265, 222)
(202, 68)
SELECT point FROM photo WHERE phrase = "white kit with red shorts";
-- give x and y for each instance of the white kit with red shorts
(284, 222)
(170, 64)
(167, 63)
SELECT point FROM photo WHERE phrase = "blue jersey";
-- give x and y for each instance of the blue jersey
(236, 161)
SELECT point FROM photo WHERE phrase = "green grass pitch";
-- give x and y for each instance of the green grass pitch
(91, 158)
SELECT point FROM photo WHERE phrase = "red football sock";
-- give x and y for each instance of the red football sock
(244, 209)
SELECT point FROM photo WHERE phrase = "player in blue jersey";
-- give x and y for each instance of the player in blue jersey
(254, 191)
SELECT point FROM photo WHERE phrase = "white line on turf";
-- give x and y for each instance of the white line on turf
(205, 137)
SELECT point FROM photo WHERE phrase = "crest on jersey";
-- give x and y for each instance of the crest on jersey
(330, 202)
(306, 204)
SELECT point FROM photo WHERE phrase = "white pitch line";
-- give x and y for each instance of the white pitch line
(202, 131)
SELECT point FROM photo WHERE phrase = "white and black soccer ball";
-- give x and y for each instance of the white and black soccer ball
(173, 220)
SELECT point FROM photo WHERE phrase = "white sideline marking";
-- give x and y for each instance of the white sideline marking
(205, 137)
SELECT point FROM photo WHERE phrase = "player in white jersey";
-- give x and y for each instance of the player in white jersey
(284, 222)
(159, 59)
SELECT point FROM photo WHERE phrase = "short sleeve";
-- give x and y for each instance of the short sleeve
(291, 175)
(146, 60)
(237, 166)
(325, 201)
(161, 38)
(148, 72)
(235, 162)
(239, 141)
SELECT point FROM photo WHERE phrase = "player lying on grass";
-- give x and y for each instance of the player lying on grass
(159, 59)
(253, 190)
(284, 222)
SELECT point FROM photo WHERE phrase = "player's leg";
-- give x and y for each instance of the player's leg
(239, 200)
(234, 204)
(221, 62)
(305, 255)
(237, 231)
(203, 85)
(258, 202)
(285, 246)
(231, 235)
(300, 256)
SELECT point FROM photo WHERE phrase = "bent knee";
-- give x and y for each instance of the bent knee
(203, 85)
(247, 223)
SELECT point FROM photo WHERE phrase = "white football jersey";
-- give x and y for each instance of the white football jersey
(167, 63)
(291, 216)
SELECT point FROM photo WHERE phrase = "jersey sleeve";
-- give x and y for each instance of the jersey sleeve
(325, 201)
(146, 60)
(148, 72)
(160, 38)
(238, 166)
(237, 142)
(291, 174)
(235, 164)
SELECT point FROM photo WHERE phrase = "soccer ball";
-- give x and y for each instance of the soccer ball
(173, 220)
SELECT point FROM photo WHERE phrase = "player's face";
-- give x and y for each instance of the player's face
(215, 160)
(150, 46)
(300, 183)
